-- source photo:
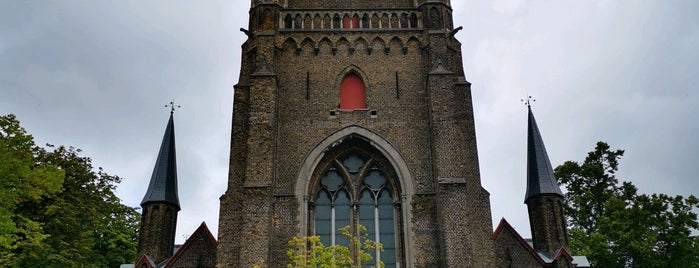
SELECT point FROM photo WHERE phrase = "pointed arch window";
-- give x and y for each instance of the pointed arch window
(350, 22)
(355, 188)
(288, 22)
(352, 93)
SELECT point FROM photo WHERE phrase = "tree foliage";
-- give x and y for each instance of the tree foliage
(309, 252)
(56, 209)
(24, 181)
(615, 226)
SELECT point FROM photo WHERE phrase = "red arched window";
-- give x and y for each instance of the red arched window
(352, 93)
(348, 22)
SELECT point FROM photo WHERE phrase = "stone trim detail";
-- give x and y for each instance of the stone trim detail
(383, 146)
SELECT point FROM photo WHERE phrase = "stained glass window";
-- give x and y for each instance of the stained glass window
(353, 190)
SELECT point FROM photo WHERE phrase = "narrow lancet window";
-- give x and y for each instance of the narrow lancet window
(350, 22)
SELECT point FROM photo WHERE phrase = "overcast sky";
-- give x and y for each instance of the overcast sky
(96, 74)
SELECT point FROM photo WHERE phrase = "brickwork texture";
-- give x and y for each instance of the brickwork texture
(417, 101)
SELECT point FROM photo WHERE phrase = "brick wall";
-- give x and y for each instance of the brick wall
(511, 252)
(547, 222)
(286, 103)
(157, 231)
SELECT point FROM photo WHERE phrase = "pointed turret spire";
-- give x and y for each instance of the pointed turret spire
(540, 177)
(163, 182)
(544, 198)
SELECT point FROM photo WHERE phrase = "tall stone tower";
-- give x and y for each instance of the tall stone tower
(161, 203)
(348, 113)
(544, 198)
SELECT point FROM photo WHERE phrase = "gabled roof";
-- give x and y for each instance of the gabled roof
(540, 177)
(145, 259)
(202, 230)
(163, 182)
(541, 257)
(504, 225)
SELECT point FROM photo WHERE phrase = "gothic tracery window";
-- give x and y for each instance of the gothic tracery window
(356, 188)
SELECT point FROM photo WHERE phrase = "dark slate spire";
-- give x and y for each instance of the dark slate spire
(540, 178)
(163, 182)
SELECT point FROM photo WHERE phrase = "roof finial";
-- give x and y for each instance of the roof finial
(528, 102)
(172, 106)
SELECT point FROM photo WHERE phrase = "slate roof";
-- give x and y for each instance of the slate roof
(540, 257)
(203, 230)
(163, 182)
(540, 178)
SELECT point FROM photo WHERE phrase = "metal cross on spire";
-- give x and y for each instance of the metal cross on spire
(528, 102)
(172, 106)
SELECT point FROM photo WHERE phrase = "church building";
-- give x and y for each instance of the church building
(351, 113)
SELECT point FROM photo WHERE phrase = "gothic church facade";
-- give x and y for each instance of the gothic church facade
(351, 113)
(354, 112)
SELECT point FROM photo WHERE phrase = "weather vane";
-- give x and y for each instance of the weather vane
(528, 102)
(172, 106)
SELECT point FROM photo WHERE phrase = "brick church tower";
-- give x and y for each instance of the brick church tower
(161, 202)
(544, 198)
(348, 113)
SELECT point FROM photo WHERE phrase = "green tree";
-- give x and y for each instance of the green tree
(65, 212)
(615, 226)
(24, 181)
(309, 252)
(88, 223)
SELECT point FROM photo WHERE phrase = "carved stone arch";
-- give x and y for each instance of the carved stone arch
(375, 20)
(360, 44)
(288, 22)
(404, 20)
(360, 40)
(385, 24)
(342, 45)
(435, 18)
(342, 40)
(365, 23)
(414, 20)
(327, 21)
(350, 20)
(394, 21)
(307, 42)
(352, 85)
(351, 69)
(344, 145)
(396, 40)
(307, 21)
(317, 21)
(325, 46)
(337, 21)
(384, 147)
(413, 44)
(290, 45)
(266, 20)
(298, 21)
(378, 43)
(396, 44)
